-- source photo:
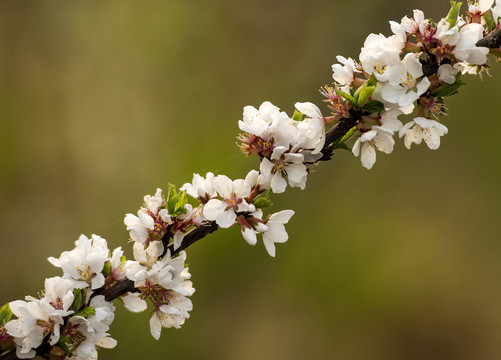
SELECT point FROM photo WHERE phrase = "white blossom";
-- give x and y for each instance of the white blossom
(406, 83)
(423, 129)
(466, 48)
(268, 123)
(311, 130)
(232, 193)
(379, 55)
(200, 188)
(86, 334)
(344, 74)
(34, 322)
(275, 232)
(58, 296)
(283, 164)
(378, 138)
(151, 221)
(446, 34)
(85, 262)
(412, 26)
(447, 74)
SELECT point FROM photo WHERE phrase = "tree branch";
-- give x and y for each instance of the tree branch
(491, 41)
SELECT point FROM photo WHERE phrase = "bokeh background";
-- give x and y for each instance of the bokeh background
(101, 102)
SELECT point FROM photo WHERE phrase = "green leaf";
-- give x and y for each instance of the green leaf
(107, 268)
(262, 200)
(78, 299)
(346, 136)
(262, 203)
(372, 81)
(453, 15)
(298, 116)
(5, 314)
(342, 146)
(373, 106)
(489, 20)
(348, 97)
(448, 89)
(86, 312)
(176, 201)
(365, 91)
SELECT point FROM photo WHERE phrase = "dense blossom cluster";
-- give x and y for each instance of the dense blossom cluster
(409, 72)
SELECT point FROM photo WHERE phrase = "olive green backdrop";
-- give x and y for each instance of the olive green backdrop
(101, 102)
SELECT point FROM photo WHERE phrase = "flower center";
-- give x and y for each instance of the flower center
(84, 271)
(57, 303)
(409, 82)
(380, 68)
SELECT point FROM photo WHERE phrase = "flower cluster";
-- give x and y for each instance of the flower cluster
(70, 313)
(412, 70)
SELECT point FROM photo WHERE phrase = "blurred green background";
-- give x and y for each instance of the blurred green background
(103, 101)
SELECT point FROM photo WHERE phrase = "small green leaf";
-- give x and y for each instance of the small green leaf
(373, 106)
(298, 116)
(78, 299)
(176, 201)
(5, 314)
(365, 91)
(489, 21)
(372, 81)
(262, 200)
(346, 136)
(107, 268)
(448, 89)
(348, 97)
(453, 15)
(86, 312)
(342, 146)
(262, 203)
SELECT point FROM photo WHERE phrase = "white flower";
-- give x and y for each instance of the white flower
(377, 138)
(268, 123)
(34, 322)
(447, 74)
(404, 86)
(379, 55)
(151, 221)
(233, 194)
(446, 34)
(284, 164)
(276, 230)
(423, 129)
(344, 74)
(201, 188)
(145, 259)
(480, 7)
(466, 49)
(85, 262)
(311, 131)
(496, 12)
(175, 310)
(117, 264)
(389, 119)
(166, 284)
(88, 333)
(58, 296)
(412, 26)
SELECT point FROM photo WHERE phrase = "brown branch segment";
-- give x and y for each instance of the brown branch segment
(491, 41)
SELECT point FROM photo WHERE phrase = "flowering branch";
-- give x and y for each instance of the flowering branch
(414, 69)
